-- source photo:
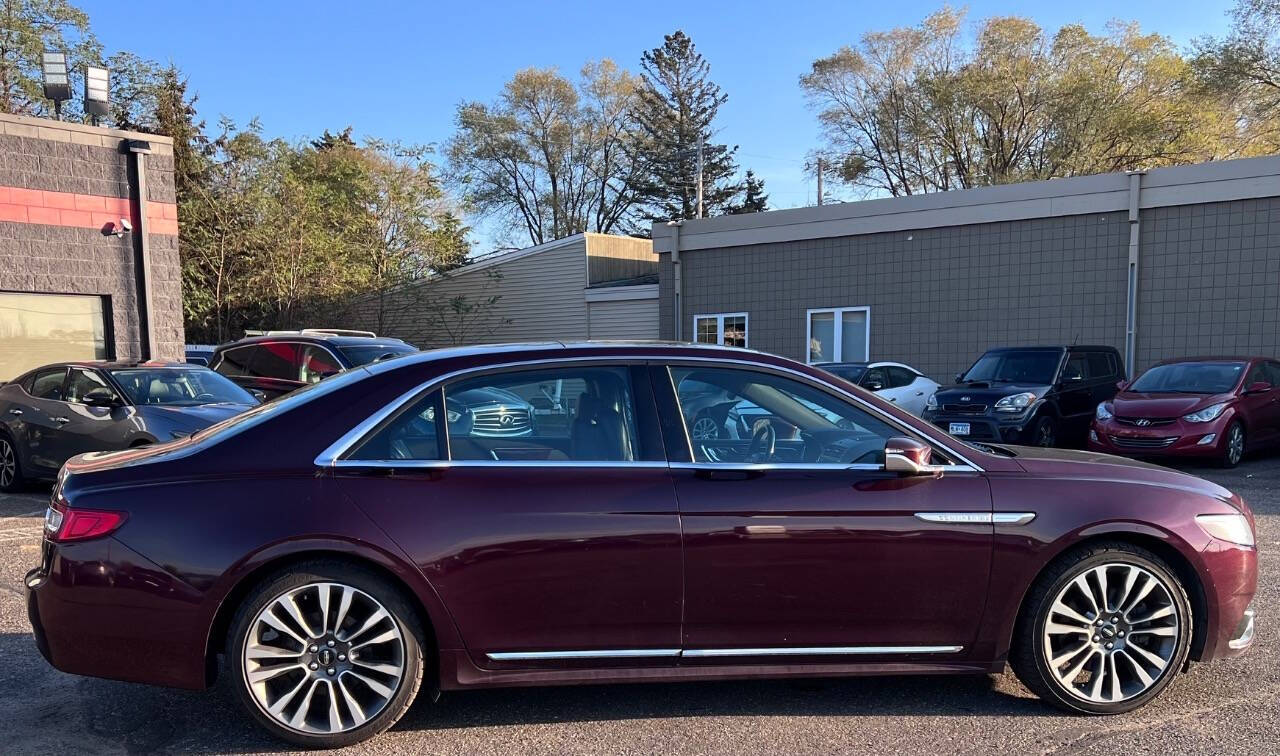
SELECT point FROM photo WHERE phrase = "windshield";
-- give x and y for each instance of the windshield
(1189, 378)
(179, 387)
(1034, 367)
(363, 355)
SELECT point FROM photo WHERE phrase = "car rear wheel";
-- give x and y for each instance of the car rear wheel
(1233, 445)
(11, 479)
(326, 654)
(1104, 631)
(705, 428)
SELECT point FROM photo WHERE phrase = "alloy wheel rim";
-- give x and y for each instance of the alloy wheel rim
(324, 658)
(1111, 633)
(8, 465)
(703, 428)
(1235, 444)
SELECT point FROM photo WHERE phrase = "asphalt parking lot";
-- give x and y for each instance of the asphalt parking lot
(1224, 707)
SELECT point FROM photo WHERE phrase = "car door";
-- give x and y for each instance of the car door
(1075, 396)
(1260, 408)
(90, 429)
(911, 387)
(811, 547)
(43, 416)
(547, 545)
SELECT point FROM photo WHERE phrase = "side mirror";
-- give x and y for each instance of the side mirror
(1258, 387)
(909, 456)
(100, 397)
(959, 377)
(874, 386)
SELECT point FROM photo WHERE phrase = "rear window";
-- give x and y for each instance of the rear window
(364, 354)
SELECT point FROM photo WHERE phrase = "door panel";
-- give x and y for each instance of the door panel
(90, 429)
(799, 538)
(794, 558)
(540, 558)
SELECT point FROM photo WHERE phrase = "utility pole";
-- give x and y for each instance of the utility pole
(819, 181)
(699, 177)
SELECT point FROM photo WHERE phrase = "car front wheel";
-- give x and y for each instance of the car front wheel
(326, 654)
(1233, 445)
(1104, 631)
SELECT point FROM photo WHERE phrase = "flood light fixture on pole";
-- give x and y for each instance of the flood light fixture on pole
(95, 92)
(57, 85)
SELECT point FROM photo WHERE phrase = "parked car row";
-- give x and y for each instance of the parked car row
(361, 540)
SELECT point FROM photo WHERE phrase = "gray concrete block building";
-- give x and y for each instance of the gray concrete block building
(74, 282)
(1171, 262)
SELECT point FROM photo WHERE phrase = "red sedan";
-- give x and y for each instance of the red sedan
(367, 536)
(1207, 407)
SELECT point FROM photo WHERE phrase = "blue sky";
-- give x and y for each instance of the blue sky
(399, 70)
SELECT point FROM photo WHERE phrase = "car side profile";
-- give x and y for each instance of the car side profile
(895, 382)
(55, 412)
(277, 362)
(1213, 408)
(1041, 396)
(354, 542)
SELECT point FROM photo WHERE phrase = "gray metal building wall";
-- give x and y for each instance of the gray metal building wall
(949, 275)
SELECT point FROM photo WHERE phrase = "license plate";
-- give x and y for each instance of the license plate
(958, 429)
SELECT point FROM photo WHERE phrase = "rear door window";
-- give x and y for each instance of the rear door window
(577, 414)
(48, 384)
(900, 377)
(316, 363)
(412, 434)
(277, 359)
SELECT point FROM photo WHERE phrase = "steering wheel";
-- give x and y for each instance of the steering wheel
(205, 397)
(764, 441)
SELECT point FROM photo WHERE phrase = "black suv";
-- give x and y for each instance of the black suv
(1044, 396)
(277, 362)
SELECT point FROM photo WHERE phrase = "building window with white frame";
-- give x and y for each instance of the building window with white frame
(725, 329)
(838, 334)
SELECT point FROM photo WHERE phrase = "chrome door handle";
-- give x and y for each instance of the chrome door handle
(15, 411)
(62, 419)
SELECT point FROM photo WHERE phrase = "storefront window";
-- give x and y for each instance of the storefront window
(839, 334)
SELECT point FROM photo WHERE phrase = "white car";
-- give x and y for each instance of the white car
(901, 384)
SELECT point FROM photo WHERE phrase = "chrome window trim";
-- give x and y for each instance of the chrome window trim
(764, 466)
(711, 653)
(334, 452)
(445, 464)
(622, 653)
(976, 518)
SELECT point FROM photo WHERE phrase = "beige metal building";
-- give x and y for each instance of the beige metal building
(585, 286)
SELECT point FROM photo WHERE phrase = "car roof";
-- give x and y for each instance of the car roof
(867, 364)
(317, 338)
(116, 364)
(1224, 358)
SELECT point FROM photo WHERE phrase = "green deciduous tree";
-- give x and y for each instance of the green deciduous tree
(675, 108)
(927, 108)
(27, 29)
(547, 157)
(1243, 69)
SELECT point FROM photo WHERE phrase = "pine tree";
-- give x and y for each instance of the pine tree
(754, 199)
(676, 106)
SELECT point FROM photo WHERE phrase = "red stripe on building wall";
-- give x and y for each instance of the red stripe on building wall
(18, 205)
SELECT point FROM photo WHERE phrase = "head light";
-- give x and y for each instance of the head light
(1103, 412)
(1232, 528)
(1207, 414)
(1016, 403)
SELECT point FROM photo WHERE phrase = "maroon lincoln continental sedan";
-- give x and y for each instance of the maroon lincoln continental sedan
(390, 529)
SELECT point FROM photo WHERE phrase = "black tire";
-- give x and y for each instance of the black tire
(11, 478)
(1045, 432)
(1232, 451)
(1028, 657)
(363, 580)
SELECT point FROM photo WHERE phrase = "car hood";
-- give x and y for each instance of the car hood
(193, 417)
(1137, 404)
(1072, 463)
(982, 392)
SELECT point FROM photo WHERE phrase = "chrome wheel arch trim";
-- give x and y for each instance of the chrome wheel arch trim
(977, 518)
(332, 455)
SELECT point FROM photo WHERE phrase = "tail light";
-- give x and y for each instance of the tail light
(61, 526)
